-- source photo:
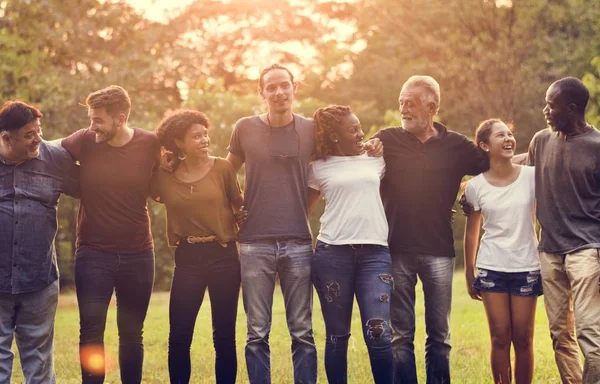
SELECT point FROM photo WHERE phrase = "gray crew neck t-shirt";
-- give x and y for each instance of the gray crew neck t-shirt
(276, 177)
(567, 189)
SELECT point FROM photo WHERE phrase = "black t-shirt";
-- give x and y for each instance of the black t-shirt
(420, 187)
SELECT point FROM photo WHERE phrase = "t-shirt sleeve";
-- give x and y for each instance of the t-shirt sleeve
(530, 172)
(531, 153)
(471, 196)
(74, 143)
(381, 164)
(155, 186)
(235, 143)
(312, 178)
(474, 160)
(69, 171)
(232, 185)
(379, 134)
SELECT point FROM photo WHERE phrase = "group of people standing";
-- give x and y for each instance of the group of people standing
(387, 222)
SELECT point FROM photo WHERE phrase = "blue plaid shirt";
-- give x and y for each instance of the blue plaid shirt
(29, 193)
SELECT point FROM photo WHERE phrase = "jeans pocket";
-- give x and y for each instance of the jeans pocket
(321, 245)
(301, 242)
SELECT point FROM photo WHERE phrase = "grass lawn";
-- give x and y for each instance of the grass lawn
(470, 340)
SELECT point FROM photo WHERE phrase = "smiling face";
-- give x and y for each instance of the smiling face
(103, 124)
(501, 143)
(349, 136)
(278, 90)
(196, 142)
(24, 143)
(417, 111)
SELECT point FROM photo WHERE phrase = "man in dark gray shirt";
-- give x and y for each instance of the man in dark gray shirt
(275, 239)
(566, 157)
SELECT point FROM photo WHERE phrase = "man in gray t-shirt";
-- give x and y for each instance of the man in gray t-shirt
(275, 240)
(276, 161)
(566, 157)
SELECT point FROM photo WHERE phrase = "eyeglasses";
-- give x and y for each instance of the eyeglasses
(281, 146)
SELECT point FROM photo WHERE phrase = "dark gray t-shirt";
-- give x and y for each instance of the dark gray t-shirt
(567, 189)
(276, 177)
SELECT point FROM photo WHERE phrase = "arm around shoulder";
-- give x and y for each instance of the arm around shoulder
(235, 160)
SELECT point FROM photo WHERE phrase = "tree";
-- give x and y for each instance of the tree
(592, 82)
(490, 60)
(54, 53)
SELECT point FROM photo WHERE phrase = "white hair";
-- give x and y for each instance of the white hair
(429, 84)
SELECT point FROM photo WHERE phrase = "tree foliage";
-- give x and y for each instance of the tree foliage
(490, 60)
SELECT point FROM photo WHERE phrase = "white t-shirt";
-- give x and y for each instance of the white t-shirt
(509, 243)
(353, 209)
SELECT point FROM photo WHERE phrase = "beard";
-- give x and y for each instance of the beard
(107, 135)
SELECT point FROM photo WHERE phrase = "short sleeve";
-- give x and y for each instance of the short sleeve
(235, 143)
(74, 143)
(474, 160)
(70, 172)
(379, 134)
(531, 153)
(155, 186)
(471, 196)
(312, 178)
(381, 164)
(232, 185)
(530, 173)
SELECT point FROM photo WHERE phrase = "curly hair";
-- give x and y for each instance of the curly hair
(326, 120)
(175, 126)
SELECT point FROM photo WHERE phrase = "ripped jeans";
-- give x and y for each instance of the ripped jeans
(339, 272)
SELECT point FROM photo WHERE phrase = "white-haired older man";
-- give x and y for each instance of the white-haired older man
(425, 164)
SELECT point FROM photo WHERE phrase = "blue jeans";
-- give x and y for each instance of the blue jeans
(260, 262)
(436, 275)
(198, 267)
(30, 317)
(340, 272)
(97, 275)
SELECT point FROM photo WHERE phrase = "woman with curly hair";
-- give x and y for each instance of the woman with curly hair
(201, 194)
(352, 255)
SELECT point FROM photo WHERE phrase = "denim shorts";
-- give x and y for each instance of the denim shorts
(514, 283)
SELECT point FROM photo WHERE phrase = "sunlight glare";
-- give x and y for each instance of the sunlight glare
(158, 10)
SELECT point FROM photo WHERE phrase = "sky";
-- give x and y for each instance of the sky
(158, 9)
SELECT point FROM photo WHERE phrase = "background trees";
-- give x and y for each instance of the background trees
(492, 59)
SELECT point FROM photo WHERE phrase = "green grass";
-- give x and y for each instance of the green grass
(470, 340)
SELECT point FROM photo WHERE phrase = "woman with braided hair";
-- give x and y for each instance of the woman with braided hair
(201, 194)
(352, 255)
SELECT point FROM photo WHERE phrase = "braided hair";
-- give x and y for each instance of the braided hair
(176, 125)
(326, 121)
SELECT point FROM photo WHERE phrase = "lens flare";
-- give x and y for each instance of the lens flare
(92, 358)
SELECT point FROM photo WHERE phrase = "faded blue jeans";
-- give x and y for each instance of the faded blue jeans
(260, 262)
(30, 317)
(436, 275)
(339, 273)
